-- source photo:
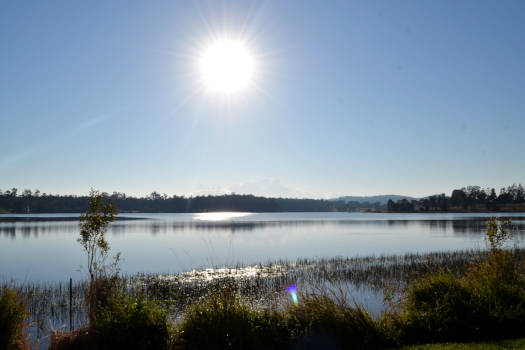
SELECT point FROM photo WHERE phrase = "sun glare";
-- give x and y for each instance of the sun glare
(227, 67)
(219, 216)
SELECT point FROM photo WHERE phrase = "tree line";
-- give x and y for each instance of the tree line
(466, 199)
(27, 201)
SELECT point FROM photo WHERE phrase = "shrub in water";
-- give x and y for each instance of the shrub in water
(12, 320)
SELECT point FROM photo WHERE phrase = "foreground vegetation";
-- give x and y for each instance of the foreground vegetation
(12, 320)
(260, 286)
(448, 300)
(224, 320)
(440, 298)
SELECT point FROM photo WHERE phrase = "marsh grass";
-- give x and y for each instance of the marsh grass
(260, 286)
(13, 320)
(322, 318)
(122, 321)
(226, 321)
(327, 288)
(321, 321)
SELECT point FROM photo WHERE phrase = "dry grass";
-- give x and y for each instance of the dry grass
(13, 320)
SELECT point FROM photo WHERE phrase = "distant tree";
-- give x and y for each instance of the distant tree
(433, 202)
(154, 196)
(443, 202)
(425, 204)
(520, 194)
(505, 196)
(492, 203)
(391, 206)
(404, 205)
(492, 196)
(471, 196)
(458, 198)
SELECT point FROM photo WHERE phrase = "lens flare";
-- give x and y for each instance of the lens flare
(292, 290)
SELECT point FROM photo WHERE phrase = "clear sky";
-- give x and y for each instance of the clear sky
(348, 98)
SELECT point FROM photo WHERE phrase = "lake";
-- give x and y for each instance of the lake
(43, 247)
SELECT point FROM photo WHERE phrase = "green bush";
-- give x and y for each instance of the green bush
(128, 322)
(499, 287)
(224, 321)
(441, 308)
(487, 303)
(12, 320)
(319, 321)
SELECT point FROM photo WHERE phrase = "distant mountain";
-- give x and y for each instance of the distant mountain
(383, 199)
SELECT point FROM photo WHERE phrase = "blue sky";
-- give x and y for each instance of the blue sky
(350, 97)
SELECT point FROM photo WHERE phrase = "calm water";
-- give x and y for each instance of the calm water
(44, 247)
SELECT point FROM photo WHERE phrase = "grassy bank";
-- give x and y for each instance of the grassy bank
(515, 344)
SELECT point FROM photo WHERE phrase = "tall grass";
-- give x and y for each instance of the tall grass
(320, 321)
(122, 322)
(12, 320)
(225, 321)
(260, 286)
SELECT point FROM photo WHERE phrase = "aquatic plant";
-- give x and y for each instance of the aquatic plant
(261, 286)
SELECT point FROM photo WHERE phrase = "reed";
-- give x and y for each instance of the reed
(261, 285)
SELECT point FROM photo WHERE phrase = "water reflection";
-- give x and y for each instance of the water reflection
(47, 248)
(223, 223)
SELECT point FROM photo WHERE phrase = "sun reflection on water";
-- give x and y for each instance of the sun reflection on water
(219, 216)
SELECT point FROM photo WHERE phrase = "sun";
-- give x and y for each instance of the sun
(227, 67)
